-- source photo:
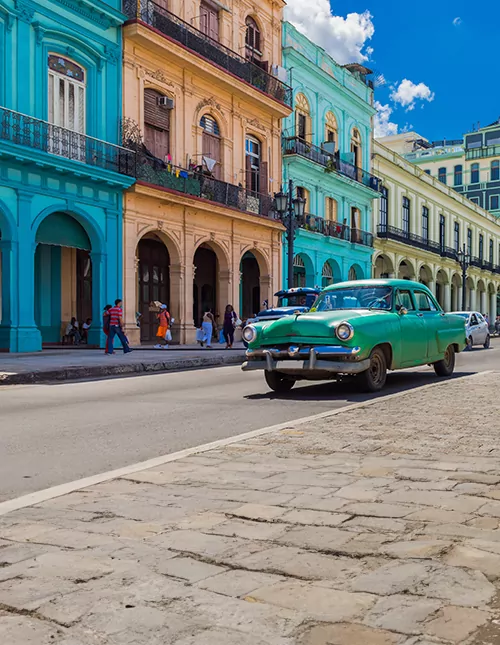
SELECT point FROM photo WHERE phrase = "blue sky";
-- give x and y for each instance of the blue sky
(449, 46)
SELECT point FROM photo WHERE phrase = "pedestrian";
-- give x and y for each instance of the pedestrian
(497, 325)
(73, 332)
(105, 326)
(207, 326)
(85, 330)
(230, 320)
(116, 327)
(163, 334)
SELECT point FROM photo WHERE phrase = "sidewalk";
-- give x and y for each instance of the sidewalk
(378, 525)
(72, 364)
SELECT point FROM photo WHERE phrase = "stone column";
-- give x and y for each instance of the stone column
(266, 288)
(472, 299)
(96, 335)
(187, 332)
(8, 252)
(176, 304)
(432, 286)
(130, 282)
(459, 298)
(447, 297)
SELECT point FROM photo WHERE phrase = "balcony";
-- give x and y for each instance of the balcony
(483, 152)
(331, 162)
(336, 230)
(24, 130)
(170, 25)
(195, 184)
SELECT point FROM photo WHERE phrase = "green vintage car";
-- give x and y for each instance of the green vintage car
(360, 328)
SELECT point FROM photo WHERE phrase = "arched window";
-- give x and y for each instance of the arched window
(474, 173)
(458, 172)
(156, 125)
(299, 272)
(302, 118)
(442, 175)
(353, 275)
(331, 132)
(211, 146)
(356, 148)
(253, 45)
(495, 170)
(256, 170)
(66, 93)
(326, 275)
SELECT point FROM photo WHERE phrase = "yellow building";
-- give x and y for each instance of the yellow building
(204, 95)
(420, 227)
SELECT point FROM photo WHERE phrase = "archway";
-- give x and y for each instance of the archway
(470, 300)
(425, 275)
(405, 270)
(492, 303)
(63, 277)
(250, 299)
(303, 271)
(456, 291)
(481, 305)
(153, 282)
(355, 273)
(441, 285)
(330, 274)
(384, 267)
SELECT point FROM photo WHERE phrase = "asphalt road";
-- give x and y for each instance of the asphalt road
(52, 434)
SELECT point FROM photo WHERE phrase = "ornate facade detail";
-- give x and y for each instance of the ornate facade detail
(159, 75)
(210, 101)
(25, 10)
(88, 11)
(212, 237)
(255, 123)
(112, 54)
(159, 224)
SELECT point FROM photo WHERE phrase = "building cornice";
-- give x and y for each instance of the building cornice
(103, 16)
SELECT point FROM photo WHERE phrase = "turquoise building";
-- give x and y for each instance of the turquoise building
(62, 172)
(327, 154)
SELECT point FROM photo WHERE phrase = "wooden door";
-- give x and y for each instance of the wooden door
(209, 20)
(211, 149)
(154, 284)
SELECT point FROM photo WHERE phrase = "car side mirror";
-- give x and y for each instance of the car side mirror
(402, 311)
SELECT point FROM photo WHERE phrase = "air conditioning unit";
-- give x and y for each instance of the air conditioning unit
(166, 102)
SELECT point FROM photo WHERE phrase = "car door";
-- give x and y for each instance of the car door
(474, 331)
(413, 348)
(483, 329)
(435, 323)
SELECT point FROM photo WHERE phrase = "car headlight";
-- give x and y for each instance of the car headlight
(249, 334)
(344, 331)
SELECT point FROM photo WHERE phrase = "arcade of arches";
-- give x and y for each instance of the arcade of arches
(445, 281)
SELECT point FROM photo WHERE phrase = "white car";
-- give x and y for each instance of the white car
(476, 328)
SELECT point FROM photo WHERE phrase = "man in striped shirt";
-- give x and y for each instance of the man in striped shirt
(116, 327)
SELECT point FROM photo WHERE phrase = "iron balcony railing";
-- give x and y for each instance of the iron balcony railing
(192, 182)
(483, 152)
(169, 24)
(331, 162)
(488, 265)
(496, 268)
(25, 130)
(335, 229)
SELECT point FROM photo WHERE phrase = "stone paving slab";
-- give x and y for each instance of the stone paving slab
(379, 525)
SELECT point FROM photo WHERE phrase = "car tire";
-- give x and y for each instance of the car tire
(487, 342)
(374, 378)
(446, 366)
(468, 347)
(278, 382)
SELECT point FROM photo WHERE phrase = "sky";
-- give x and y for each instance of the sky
(435, 61)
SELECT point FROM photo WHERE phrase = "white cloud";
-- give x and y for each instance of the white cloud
(345, 39)
(383, 126)
(457, 21)
(407, 93)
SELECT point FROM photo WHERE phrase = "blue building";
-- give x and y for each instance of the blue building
(62, 172)
(327, 154)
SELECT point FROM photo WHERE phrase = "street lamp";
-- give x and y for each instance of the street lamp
(290, 210)
(464, 261)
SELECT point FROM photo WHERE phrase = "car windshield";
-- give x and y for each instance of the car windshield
(466, 316)
(355, 298)
(297, 300)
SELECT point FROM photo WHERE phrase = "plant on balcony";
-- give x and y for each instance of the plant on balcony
(330, 165)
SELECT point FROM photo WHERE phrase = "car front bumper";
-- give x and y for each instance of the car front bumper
(307, 362)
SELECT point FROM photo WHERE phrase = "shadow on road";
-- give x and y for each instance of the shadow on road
(348, 390)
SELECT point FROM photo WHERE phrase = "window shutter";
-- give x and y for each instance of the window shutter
(263, 178)
(248, 172)
(80, 126)
(51, 98)
(154, 114)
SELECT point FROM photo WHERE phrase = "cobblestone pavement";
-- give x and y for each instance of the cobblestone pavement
(377, 526)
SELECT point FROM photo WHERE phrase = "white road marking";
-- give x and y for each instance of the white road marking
(47, 494)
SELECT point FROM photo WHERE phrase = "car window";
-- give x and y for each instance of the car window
(473, 320)
(480, 318)
(424, 303)
(404, 299)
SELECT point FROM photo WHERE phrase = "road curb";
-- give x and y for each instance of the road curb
(120, 369)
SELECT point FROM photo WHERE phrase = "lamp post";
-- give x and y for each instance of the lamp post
(464, 261)
(290, 210)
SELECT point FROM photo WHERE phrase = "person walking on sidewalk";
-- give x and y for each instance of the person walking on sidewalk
(163, 334)
(230, 322)
(116, 327)
(105, 326)
(207, 326)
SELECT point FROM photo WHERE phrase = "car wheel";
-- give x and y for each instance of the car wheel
(374, 378)
(487, 342)
(446, 366)
(469, 343)
(278, 382)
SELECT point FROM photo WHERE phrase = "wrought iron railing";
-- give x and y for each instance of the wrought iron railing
(476, 262)
(331, 162)
(483, 152)
(25, 130)
(488, 265)
(496, 268)
(195, 183)
(335, 229)
(169, 24)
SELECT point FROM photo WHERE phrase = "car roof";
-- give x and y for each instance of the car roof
(382, 282)
(466, 312)
(297, 291)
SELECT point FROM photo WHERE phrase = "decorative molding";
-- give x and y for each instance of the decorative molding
(159, 75)
(39, 32)
(25, 10)
(256, 124)
(160, 224)
(210, 101)
(91, 13)
(113, 54)
(212, 237)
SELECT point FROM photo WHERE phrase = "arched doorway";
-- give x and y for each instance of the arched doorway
(481, 305)
(383, 267)
(441, 282)
(206, 281)
(63, 276)
(355, 273)
(299, 272)
(456, 290)
(405, 271)
(470, 301)
(425, 275)
(326, 275)
(153, 282)
(250, 286)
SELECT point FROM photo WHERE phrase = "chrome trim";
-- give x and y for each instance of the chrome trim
(310, 369)
(321, 351)
(351, 330)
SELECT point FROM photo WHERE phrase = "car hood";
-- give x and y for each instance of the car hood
(280, 311)
(317, 323)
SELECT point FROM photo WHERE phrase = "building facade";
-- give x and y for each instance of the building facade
(421, 225)
(327, 154)
(62, 174)
(203, 99)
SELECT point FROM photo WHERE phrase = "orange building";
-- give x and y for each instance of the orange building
(204, 95)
